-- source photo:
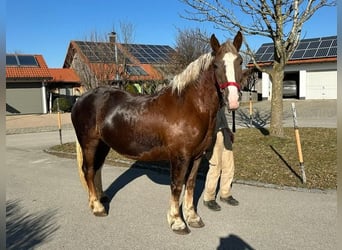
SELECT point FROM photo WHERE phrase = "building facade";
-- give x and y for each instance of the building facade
(311, 72)
(31, 86)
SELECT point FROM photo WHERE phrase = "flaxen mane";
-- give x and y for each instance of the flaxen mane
(191, 72)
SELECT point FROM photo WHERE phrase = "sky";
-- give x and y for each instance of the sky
(46, 27)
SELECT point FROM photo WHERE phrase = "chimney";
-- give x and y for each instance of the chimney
(112, 37)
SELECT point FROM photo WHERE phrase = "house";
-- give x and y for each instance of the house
(108, 63)
(310, 73)
(26, 79)
(30, 84)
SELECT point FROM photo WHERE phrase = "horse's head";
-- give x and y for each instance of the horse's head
(228, 69)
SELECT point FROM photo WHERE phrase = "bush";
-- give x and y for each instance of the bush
(64, 104)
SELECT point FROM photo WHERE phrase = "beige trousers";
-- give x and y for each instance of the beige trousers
(221, 165)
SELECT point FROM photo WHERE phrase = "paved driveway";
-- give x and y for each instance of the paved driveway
(310, 113)
(47, 209)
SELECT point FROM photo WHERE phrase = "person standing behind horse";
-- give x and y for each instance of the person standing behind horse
(221, 165)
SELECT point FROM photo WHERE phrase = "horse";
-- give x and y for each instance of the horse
(176, 124)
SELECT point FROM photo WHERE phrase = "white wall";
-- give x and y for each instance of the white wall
(316, 80)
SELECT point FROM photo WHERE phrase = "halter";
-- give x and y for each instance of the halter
(227, 84)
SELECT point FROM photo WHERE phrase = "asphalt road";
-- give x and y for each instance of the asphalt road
(47, 208)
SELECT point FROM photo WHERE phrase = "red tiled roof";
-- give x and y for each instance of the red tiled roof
(64, 75)
(23, 72)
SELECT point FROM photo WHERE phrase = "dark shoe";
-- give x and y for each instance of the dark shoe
(230, 200)
(212, 205)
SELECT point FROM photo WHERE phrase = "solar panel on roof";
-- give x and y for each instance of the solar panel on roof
(135, 70)
(314, 45)
(298, 54)
(21, 60)
(303, 45)
(332, 52)
(322, 52)
(261, 50)
(326, 44)
(150, 53)
(11, 60)
(27, 60)
(307, 48)
(104, 52)
(269, 49)
(309, 53)
(266, 57)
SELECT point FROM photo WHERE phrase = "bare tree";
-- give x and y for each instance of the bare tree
(190, 44)
(279, 20)
(126, 32)
(126, 37)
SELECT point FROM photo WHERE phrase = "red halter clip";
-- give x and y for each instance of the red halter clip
(226, 84)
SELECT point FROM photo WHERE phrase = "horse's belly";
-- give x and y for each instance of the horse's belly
(141, 152)
(130, 145)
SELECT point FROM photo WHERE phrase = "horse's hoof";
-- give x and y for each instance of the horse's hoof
(183, 231)
(100, 213)
(196, 224)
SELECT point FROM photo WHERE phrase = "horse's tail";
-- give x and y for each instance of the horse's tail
(79, 157)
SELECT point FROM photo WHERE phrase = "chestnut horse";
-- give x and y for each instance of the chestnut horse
(176, 124)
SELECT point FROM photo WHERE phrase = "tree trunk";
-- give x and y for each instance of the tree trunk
(277, 76)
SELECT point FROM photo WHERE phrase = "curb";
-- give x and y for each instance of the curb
(13, 131)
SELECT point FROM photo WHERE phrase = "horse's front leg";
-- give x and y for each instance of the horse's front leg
(190, 215)
(178, 171)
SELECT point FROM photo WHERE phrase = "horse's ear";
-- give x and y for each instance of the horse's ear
(215, 45)
(238, 41)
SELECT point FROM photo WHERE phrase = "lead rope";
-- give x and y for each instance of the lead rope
(233, 117)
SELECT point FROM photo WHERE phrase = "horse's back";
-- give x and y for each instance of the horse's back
(96, 99)
(88, 108)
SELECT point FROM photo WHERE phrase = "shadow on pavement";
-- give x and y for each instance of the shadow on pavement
(28, 231)
(138, 169)
(233, 242)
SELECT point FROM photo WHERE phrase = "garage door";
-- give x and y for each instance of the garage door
(24, 98)
(321, 85)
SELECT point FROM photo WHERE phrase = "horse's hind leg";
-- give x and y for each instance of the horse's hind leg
(94, 155)
(178, 172)
(190, 215)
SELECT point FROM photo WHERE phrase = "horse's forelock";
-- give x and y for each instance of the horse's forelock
(191, 73)
(229, 47)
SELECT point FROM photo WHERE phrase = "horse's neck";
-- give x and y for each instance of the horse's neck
(206, 91)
